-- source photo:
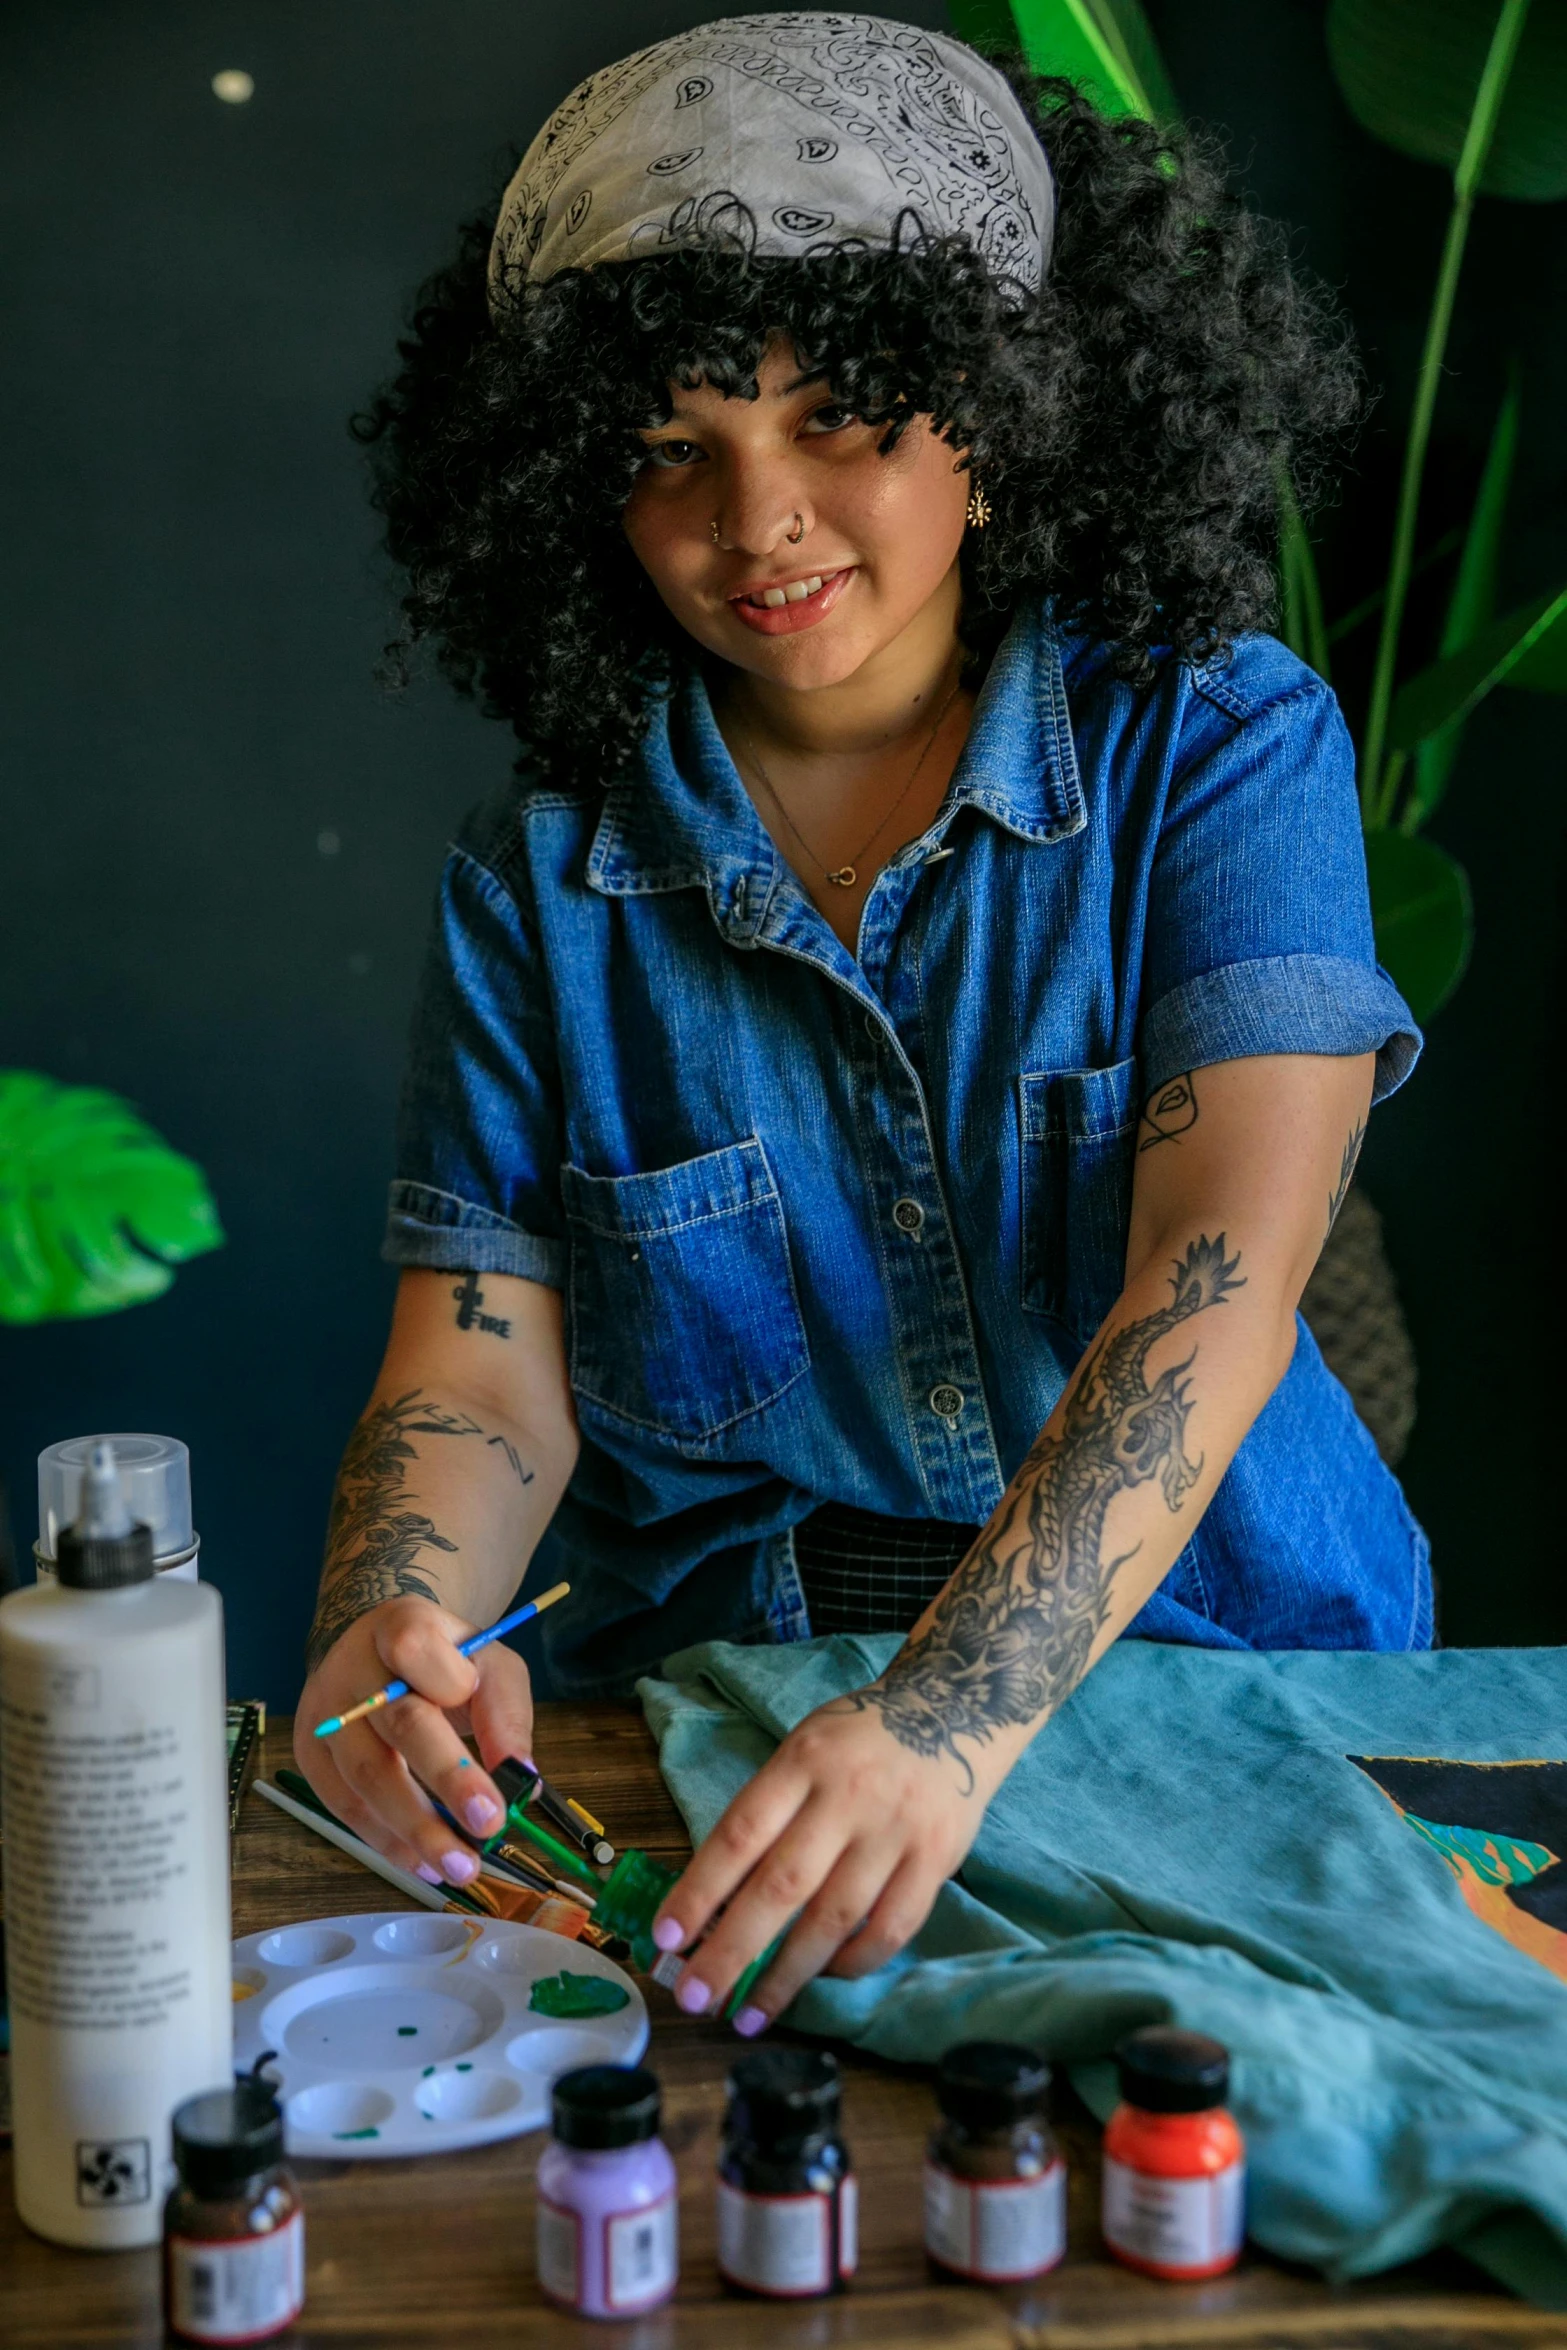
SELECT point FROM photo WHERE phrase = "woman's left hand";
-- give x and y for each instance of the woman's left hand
(843, 1829)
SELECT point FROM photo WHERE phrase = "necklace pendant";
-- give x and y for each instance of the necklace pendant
(844, 878)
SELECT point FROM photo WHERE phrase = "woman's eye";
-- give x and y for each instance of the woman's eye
(668, 455)
(832, 417)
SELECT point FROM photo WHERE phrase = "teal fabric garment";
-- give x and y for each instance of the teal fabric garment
(1189, 1842)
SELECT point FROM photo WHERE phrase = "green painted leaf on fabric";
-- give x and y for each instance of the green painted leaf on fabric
(1105, 44)
(1409, 70)
(1424, 920)
(95, 1208)
(1472, 605)
(1446, 692)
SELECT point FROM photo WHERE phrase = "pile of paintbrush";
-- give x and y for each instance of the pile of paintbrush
(513, 1881)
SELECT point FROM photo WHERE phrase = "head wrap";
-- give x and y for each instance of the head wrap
(789, 130)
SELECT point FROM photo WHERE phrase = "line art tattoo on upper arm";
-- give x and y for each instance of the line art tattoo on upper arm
(373, 1541)
(1013, 1631)
(1346, 1173)
(1170, 1111)
(524, 1476)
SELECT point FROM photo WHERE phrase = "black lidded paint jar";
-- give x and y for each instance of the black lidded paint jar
(788, 2202)
(233, 2230)
(995, 2183)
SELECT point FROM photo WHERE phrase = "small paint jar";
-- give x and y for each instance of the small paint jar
(233, 2230)
(995, 2183)
(1174, 2191)
(788, 2201)
(608, 2212)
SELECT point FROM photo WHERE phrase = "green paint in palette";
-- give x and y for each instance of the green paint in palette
(568, 1996)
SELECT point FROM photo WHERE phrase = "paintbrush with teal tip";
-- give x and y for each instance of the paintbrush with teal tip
(396, 1689)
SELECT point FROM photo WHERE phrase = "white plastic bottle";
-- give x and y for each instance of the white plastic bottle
(112, 1792)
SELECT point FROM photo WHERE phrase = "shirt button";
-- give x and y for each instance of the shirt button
(908, 1215)
(873, 1027)
(946, 1401)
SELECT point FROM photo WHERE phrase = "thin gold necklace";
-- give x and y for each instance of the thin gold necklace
(845, 876)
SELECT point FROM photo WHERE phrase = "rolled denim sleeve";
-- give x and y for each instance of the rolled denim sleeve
(479, 1125)
(1259, 918)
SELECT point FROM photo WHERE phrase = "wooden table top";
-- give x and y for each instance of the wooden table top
(441, 2251)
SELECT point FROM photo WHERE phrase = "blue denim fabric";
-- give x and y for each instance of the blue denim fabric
(644, 1071)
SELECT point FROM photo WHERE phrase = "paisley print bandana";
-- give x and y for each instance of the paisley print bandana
(791, 130)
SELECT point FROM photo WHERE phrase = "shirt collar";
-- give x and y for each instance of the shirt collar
(682, 819)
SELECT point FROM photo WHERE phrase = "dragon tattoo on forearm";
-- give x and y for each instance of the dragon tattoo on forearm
(1013, 1631)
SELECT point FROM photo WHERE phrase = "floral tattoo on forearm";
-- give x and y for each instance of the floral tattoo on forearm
(1013, 1631)
(373, 1538)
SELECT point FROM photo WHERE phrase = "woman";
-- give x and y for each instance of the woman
(886, 1069)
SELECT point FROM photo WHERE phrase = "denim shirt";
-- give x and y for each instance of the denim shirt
(838, 1229)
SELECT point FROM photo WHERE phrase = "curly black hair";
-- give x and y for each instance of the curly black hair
(1131, 424)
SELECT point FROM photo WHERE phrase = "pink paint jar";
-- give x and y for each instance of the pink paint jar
(607, 2204)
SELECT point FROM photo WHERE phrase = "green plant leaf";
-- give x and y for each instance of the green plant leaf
(1105, 44)
(1543, 668)
(1472, 604)
(1424, 920)
(95, 1208)
(1409, 69)
(1300, 596)
(1446, 692)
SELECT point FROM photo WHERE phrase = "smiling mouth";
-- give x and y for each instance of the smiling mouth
(791, 604)
(773, 599)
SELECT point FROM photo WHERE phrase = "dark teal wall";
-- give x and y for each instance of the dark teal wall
(195, 296)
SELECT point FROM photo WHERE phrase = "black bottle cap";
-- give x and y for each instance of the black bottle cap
(1165, 2071)
(107, 1547)
(225, 2137)
(603, 2105)
(780, 2096)
(989, 2084)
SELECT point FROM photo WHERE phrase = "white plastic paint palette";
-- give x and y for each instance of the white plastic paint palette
(408, 2032)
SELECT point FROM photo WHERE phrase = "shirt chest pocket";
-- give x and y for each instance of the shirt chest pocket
(1078, 1143)
(682, 1306)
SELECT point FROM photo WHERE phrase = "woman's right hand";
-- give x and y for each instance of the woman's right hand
(375, 1774)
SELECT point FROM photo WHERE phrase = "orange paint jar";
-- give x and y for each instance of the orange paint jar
(1174, 2183)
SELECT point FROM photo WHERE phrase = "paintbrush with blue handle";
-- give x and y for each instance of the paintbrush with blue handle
(396, 1689)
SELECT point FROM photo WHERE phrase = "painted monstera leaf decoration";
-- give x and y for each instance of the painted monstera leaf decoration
(95, 1209)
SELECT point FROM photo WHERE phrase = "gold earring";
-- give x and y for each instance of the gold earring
(979, 509)
(715, 534)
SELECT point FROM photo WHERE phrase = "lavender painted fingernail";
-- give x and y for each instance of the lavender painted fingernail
(461, 1867)
(692, 1997)
(430, 1876)
(480, 1813)
(668, 1933)
(750, 2021)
